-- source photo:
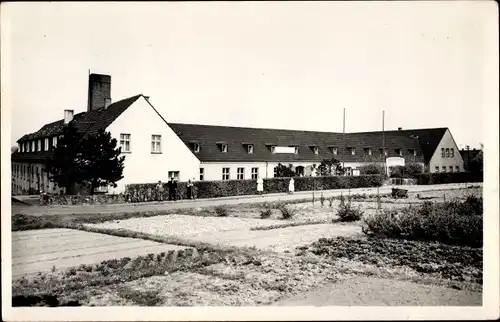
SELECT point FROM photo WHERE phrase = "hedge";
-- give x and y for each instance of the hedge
(81, 199)
(452, 177)
(214, 189)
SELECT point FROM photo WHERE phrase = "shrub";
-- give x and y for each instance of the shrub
(266, 211)
(347, 212)
(222, 211)
(287, 211)
(449, 177)
(371, 169)
(451, 222)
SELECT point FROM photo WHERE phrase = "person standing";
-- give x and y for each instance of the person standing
(172, 189)
(159, 190)
(260, 186)
(291, 186)
(190, 189)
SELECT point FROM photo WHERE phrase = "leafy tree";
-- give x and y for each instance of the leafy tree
(413, 169)
(62, 166)
(283, 171)
(330, 167)
(100, 161)
(93, 161)
(476, 163)
(371, 169)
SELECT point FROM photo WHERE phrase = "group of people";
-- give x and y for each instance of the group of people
(172, 190)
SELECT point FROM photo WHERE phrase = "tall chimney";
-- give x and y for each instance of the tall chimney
(68, 116)
(99, 91)
(107, 102)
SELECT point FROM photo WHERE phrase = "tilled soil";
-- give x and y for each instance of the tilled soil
(448, 262)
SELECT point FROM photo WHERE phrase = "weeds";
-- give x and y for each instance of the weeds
(287, 211)
(346, 212)
(222, 211)
(266, 212)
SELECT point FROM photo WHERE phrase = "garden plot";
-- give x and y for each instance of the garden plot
(50, 249)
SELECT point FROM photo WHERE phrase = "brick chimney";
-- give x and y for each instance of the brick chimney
(68, 116)
(99, 91)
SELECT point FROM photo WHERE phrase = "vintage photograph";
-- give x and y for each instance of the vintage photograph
(247, 154)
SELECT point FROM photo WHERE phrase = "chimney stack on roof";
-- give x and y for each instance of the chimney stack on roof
(400, 128)
(107, 102)
(99, 91)
(68, 116)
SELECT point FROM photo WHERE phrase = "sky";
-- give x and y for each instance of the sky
(288, 65)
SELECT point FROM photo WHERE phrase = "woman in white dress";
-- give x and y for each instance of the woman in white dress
(291, 186)
(260, 186)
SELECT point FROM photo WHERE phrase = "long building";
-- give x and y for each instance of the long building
(155, 149)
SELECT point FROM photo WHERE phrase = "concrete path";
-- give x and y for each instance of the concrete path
(370, 291)
(40, 250)
(183, 204)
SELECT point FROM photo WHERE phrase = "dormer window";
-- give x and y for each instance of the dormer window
(250, 149)
(296, 150)
(46, 144)
(413, 152)
(39, 148)
(368, 151)
(334, 150)
(315, 150)
(195, 146)
(352, 150)
(383, 151)
(54, 141)
(273, 149)
(224, 148)
(33, 147)
(399, 152)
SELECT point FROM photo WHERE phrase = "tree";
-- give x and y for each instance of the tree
(413, 169)
(283, 171)
(371, 169)
(92, 161)
(476, 162)
(63, 169)
(330, 167)
(100, 161)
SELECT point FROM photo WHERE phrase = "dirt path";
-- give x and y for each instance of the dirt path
(40, 250)
(182, 204)
(370, 291)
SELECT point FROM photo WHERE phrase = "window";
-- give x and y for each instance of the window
(273, 148)
(437, 168)
(451, 168)
(224, 148)
(202, 174)
(414, 152)
(457, 168)
(125, 142)
(398, 152)
(334, 151)
(442, 153)
(296, 150)
(39, 147)
(250, 148)
(353, 151)
(316, 150)
(155, 143)
(255, 173)
(275, 175)
(447, 152)
(54, 141)
(196, 147)
(46, 144)
(21, 147)
(348, 171)
(444, 168)
(173, 174)
(368, 151)
(241, 173)
(33, 148)
(383, 151)
(452, 152)
(225, 173)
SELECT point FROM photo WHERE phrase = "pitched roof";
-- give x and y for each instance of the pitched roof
(236, 138)
(85, 122)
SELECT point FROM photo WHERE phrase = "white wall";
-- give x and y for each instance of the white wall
(446, 142)
(20, 182)
(141, 166)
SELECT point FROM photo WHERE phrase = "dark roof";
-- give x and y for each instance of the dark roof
(85, 122)
(236, 138)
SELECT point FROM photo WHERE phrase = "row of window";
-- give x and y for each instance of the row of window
(240, 173)
(223, 147)
(25, 171)
(126, 146)
(37, 145)
(450, 168)
(447, 153)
